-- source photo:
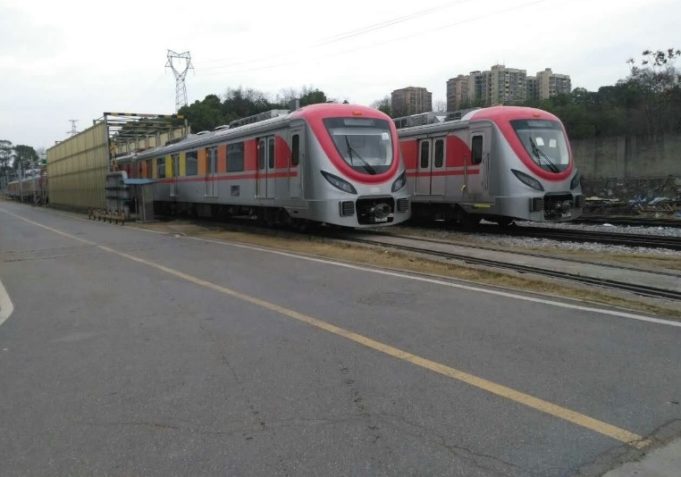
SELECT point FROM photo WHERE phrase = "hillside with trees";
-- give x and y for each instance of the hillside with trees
(647, 102)
(214, 111)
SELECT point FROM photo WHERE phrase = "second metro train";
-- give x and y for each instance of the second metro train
(500, 163)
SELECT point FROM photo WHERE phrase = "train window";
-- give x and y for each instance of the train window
(439, 159)
(192, 163)
(235, 157)
(364, 144)
(161, 167)
(544, 142)
(175, 171)
(476, 149)
(261, 154)
(212, 155)
(425, 153)
(150, 170)
(270, 153)
(295, 150)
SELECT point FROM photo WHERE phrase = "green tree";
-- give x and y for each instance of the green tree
(6, 153)
(383, 105)
(312, 96)
(204, 115)
(26, 158)
(656, 81)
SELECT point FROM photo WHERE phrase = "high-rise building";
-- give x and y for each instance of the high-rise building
(411, 100)
(501, 85)
(507, 85)
(550, 84)
(532, 91)
(457, 92)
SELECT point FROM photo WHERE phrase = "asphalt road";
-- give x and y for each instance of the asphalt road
(134, 353)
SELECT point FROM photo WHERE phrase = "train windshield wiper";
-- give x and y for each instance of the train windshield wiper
(367, 167)
(539, 154)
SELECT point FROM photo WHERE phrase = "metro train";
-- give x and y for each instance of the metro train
(29, 189)
(336, 164)
(500, 163)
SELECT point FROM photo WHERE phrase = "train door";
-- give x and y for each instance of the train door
(475, 173)
(430, 178)
(437, 176)
(211, 171)
(264, 175)
(423, 172)
(175, 158)
(297, 158)
(271, 178)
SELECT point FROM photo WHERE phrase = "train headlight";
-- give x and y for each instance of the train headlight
(339, 183)
(399, 182)
(576, 181)
(528, 180)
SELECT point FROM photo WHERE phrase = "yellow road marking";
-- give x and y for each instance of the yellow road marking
(506, 392)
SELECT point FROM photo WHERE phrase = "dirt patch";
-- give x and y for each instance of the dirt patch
(366, 255)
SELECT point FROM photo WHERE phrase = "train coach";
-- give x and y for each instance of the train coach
(501, 163)
(337, 164)
(29, 189)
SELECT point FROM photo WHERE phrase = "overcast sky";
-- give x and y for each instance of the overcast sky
(62, 60)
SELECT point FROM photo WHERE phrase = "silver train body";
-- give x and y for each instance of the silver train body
(330, 163)
(29, 189)
(501, 163)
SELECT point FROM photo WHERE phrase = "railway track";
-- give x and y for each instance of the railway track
(628, 221)
(591, 236)
(411, 244)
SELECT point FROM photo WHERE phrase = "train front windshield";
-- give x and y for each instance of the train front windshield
(365, 144)
(545, 142)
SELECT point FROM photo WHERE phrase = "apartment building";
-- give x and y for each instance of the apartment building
(502, 85)
(411, 100)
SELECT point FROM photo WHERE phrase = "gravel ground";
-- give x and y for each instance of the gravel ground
(625, 229)
(534, 243)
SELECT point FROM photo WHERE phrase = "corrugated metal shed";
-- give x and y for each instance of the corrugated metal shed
(77, 166)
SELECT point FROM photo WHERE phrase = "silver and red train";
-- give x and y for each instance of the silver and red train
(500, 163)
(329, 163)
(31, 189)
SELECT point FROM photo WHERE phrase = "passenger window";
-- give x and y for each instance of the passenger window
(235, 157)
(192, 163)
(212, 160)
(175, 166)
(161, 167)
(295, 150)
(261, 154)
(425, 151)
(270, 158)
(439, 153)
(476, 149)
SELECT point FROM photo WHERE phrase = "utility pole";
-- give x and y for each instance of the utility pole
(21, 180)
(180, 74)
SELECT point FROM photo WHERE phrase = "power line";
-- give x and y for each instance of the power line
(374, 45)
(345, 35)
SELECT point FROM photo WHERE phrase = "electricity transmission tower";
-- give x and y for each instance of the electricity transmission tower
(73, 130)
(180, 74)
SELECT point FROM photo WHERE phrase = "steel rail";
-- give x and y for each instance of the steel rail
(633, 288)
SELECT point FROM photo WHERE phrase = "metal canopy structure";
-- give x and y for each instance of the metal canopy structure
(133, 132)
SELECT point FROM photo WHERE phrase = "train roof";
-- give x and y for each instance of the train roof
(252, 125)
(493, 114)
